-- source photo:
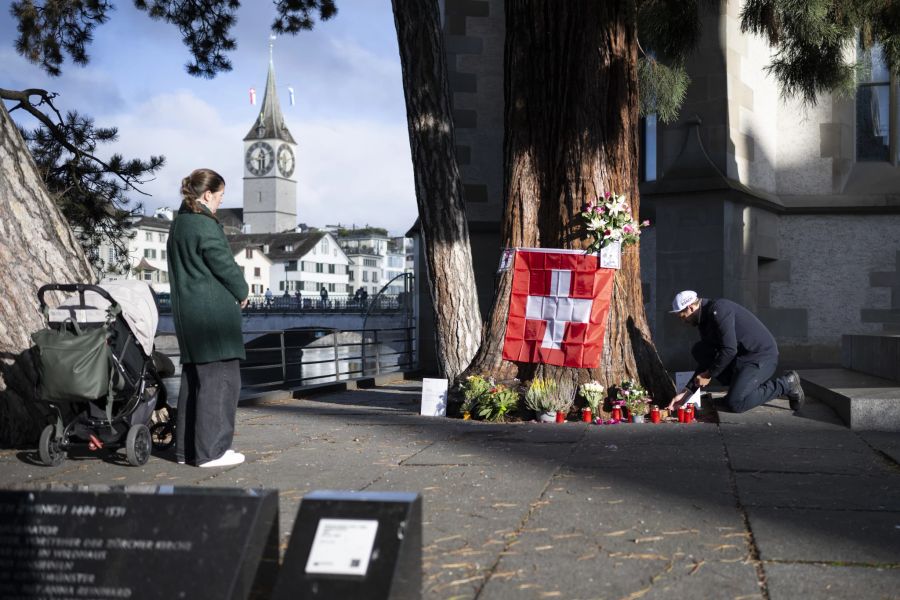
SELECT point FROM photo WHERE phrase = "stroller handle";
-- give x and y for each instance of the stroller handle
(81, 288)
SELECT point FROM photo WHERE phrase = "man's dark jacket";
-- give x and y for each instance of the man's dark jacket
(734, 333)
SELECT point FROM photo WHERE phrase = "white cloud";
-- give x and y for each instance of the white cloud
(355, 171)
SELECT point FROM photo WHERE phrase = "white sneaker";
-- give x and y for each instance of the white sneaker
(230, 458)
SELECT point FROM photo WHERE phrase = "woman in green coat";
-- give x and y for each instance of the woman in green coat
(208, 292)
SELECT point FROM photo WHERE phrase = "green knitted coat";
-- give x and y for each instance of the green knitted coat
(207, 288)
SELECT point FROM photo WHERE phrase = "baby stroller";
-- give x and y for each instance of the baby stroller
(96, 370)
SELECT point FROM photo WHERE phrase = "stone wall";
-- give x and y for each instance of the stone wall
(843, 271)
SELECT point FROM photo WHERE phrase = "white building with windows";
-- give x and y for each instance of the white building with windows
(304, 262)
(256, 266)
(146, 258)
(376, 259)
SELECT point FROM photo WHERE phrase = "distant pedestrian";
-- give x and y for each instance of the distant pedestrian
(208, 292)
(736, 349)
(323, 294)
(299, 298)
(268, 295)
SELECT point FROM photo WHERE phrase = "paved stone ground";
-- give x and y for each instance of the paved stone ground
(761, 505)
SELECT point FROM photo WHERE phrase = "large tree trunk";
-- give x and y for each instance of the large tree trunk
(36, 247)
(571, 134)
(442, 213)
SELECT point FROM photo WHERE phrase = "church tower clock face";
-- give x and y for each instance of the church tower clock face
(259, 158)
(285, 160)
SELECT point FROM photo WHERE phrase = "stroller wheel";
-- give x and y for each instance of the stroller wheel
(138, 445)
(48, 448)
(162, 434)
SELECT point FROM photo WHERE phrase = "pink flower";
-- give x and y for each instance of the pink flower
(606, 194)
(627, 229)
(646, 223)
(599, 209)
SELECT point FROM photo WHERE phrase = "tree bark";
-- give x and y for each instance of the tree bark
(442, 213)
(36, 247)
(571, 98)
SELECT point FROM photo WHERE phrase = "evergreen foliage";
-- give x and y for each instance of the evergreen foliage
(90, 192)
(48, 29)
(813, 39)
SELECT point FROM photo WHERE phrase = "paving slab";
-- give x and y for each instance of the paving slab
(598, 575)
(792, 434)
(808, 460)
(831, 582)
(887, 443)
(828, 536)
(834, 492)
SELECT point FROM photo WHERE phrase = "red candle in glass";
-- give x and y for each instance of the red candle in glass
(654, 414)
(682, 415)
(617, 413)
(689, 414)
(586, 415)
(560, 416)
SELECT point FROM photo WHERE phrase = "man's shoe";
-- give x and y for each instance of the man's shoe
(229, 459)
(794, 393)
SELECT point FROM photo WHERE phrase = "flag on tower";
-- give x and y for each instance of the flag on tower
(253, 96)
(558, 308)
(291, 95)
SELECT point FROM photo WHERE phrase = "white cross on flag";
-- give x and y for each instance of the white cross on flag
(558, 308)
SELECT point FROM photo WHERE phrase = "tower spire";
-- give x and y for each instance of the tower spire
(270, 122)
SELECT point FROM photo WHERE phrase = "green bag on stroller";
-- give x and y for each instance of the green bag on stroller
(73, 367)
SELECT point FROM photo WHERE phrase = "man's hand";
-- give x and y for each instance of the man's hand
(679, 397)
(703, 379)
(245, 302)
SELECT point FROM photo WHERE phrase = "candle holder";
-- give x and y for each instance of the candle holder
(654, 414)
(560, 416)
(586, 415)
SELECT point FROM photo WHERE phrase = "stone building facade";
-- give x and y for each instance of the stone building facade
(782, 207)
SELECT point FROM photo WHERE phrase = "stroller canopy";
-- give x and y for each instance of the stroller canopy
(138, 308)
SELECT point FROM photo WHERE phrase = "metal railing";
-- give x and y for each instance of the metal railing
(345, 303)
(294, 358)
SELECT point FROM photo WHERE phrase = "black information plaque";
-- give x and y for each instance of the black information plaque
(138, 542)
(354, 545)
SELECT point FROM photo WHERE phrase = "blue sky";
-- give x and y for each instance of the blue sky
(353, 160)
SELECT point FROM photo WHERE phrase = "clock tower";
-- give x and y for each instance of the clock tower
(270, 189)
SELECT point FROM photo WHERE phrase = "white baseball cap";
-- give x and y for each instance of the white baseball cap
(682, 300)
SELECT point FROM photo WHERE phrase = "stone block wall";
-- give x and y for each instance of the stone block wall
(843, 272)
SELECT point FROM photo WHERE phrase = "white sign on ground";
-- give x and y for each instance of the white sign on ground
(342, 546)
(434, 397)
(682, 378)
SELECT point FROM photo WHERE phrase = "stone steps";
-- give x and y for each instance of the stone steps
(863, 401)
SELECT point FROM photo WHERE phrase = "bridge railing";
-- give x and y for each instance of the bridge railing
(294, 358)
(313, 303)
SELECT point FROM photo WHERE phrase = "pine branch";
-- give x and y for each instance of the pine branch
(296, 15)
(49, 28)
(204, 25)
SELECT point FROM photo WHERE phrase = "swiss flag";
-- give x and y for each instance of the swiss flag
(558, 308)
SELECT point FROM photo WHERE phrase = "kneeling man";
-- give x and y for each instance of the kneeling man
(736, 349)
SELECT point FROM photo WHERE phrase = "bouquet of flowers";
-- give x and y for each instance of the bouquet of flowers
(592, 392)
(634, 397)
(609, 220)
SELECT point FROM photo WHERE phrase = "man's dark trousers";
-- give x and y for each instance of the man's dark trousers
(749, 379)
